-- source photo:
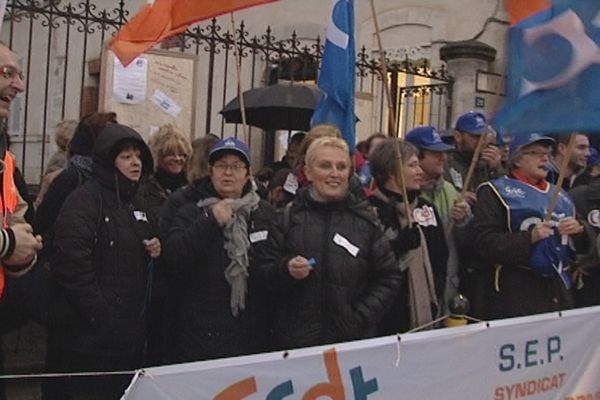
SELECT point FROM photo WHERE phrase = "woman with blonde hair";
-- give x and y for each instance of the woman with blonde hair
(170, 149)
(329, 270)
(62, 137)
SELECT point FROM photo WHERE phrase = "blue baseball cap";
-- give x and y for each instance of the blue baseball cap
(427, 138)
(229, 145)
(520, 141)
(472, 122)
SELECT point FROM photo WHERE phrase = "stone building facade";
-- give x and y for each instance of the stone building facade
(466, 37)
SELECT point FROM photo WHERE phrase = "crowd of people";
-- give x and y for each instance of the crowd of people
(170, 251)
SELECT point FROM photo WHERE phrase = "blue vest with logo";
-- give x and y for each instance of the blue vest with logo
(526, 206)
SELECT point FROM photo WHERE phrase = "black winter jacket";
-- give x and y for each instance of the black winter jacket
(513, 289)
(397, 320)
(99, 260)
(353, 281)
(194, 251)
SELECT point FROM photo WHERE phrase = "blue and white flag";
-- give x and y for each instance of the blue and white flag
(337, 75)
(553, 83)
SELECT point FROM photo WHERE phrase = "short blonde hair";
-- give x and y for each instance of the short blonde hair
(64, 133)
(326, 141)
(168, 140)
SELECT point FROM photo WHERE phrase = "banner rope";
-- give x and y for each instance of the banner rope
(68, 374)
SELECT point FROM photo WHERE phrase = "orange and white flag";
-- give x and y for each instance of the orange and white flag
(156, 22)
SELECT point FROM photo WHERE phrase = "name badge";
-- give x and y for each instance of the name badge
(258, 236)
(456, 178)
(291, 184)
(140, 216)
(425, 216)
(345, 243)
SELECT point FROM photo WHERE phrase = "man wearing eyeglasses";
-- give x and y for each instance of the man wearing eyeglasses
(18, 245)
(530, 256)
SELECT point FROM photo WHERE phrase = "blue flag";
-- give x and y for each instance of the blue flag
(553, 83)
(337, 75)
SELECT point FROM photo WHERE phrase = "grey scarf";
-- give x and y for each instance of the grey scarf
(421, 287)
(237, 245)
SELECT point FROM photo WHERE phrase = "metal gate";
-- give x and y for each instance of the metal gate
(59, 46)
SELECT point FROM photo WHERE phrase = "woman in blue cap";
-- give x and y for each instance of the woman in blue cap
(209, 249)
(528, 255)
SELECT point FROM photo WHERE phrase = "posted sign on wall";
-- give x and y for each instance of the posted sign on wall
(548, 356)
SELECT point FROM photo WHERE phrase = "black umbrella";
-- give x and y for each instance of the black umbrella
(281, 106)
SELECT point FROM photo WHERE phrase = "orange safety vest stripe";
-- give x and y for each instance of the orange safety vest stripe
(8, 200)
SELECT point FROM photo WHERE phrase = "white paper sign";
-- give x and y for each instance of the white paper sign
(166, 103)
(129, 83)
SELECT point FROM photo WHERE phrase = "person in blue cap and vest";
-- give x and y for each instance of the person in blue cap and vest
(443, 195)
(209, 247)
(530, 256)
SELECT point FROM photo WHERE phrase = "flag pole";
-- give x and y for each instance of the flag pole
(388, 96)
(478, 150)
(480, 144)
(238, 65)
(561, 177)
(383, 70)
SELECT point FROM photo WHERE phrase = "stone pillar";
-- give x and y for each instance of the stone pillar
(464, 59)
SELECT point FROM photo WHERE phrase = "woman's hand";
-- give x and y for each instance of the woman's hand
(152, 247)
(223, 211)
(542, 230)
(460, 210)
(299, 267)
(569, 226)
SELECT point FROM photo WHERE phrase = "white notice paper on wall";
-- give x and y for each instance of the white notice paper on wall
(129, 83)
(165, 103)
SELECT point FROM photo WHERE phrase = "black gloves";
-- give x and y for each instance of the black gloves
(407, 239)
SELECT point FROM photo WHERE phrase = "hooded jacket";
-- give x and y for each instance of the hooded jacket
(99, 260)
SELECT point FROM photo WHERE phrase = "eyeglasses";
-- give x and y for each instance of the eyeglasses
(538, 153)
(235, 167)
(11, 72)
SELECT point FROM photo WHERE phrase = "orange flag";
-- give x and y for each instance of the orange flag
(165, 18)
(186, 12)
(521, 9)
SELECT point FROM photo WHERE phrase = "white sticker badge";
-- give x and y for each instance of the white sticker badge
(140, 216)
(345, 243)
(258, 236)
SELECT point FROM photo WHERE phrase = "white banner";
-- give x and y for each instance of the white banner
(549, 356)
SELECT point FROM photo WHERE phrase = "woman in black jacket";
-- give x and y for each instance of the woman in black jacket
(103, 249)
(420, 248)
(330, 272)
(209, 249)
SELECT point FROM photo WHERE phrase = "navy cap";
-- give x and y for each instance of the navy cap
(229, 145)
(472, 122)
(520, 141)
(427, 138)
